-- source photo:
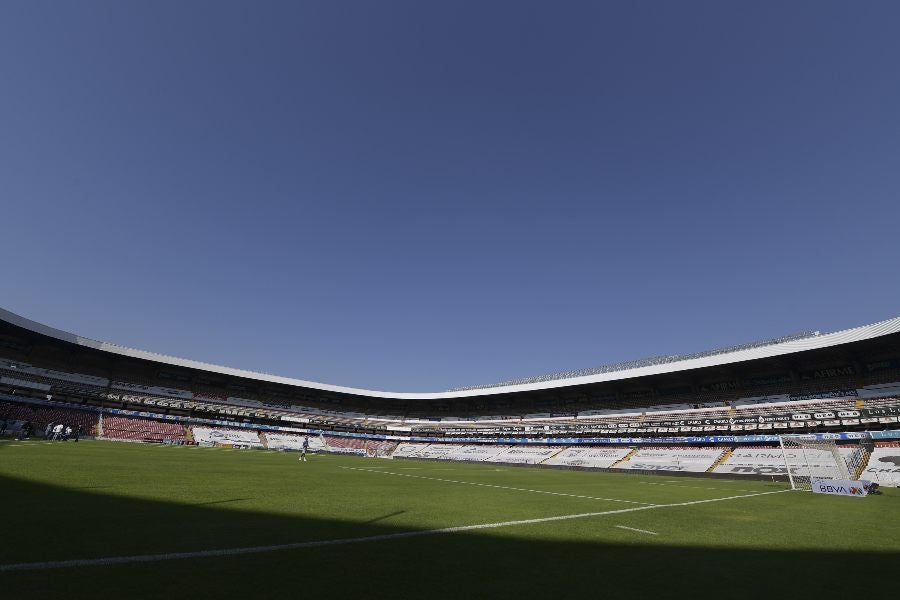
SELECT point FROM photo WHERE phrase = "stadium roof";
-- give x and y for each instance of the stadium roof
(773, 348)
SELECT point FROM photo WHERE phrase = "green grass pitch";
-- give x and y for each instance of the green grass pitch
(658, 537)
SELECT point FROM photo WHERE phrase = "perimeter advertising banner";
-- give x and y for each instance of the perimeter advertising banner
(840, 487)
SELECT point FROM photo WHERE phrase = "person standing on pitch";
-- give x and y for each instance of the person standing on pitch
(304, 448)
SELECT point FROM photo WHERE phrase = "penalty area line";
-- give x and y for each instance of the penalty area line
(146, 558)
(635, 529)
(497, 487)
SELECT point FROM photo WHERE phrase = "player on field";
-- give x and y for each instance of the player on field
(304, 448)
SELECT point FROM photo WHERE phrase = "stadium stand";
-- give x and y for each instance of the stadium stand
(408, 450)
(599, 458)
(528, 455)
(692, 460)
(441, 451)
(845, 382)
(11, 427)
(500, 453)
(206, 436)
(883, 466)
(367, 446)
(285, 441)
(142, 430)
(478, 453)
(468, 452)
(771, 461)
(40, 416)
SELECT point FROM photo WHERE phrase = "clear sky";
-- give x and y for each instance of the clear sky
(413, 196)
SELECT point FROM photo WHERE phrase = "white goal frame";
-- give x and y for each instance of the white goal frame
(808, 457)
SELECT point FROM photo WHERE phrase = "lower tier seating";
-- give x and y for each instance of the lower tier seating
(408, 449)
(477, 452)
(600, 458)
(370, 447)
(770, 461)
(293, 441)
(208, 436)
(691, 460)
(526, 455)
(143, 430)
(883, 466)
(41, 416)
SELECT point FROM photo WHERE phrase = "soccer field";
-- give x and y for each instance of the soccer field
(105, 519)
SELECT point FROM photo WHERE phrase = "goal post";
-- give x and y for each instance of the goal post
(809, 457)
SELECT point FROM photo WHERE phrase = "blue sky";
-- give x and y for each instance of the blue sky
(413, 196)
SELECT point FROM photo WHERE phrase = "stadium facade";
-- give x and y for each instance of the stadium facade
(856, 362)
(717, 412)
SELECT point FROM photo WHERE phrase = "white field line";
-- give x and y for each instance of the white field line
(144, 558)
(638, 530)
(693, 487)
(498, 487)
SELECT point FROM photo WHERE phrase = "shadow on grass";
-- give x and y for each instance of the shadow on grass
(42, 522)
(383, 517)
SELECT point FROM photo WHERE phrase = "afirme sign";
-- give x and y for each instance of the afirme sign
(840, 487)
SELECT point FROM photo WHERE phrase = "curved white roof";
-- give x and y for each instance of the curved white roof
(826, 340)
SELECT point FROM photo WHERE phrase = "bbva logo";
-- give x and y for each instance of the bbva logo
(853, 490)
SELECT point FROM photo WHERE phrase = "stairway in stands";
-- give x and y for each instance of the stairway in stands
(720, 460)
(624, 459)
(552, 455)
(863, 463)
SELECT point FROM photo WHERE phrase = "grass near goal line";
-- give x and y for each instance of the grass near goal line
(163, 522)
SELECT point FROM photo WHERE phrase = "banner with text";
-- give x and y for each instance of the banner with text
(840, 487)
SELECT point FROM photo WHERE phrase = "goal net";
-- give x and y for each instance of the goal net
(807, 458)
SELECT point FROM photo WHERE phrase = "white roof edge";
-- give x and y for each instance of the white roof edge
(826, 340)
